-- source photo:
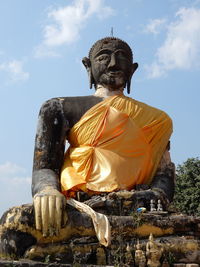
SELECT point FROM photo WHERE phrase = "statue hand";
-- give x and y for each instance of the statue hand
(50, 214)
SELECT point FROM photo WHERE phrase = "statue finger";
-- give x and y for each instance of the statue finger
(89, 202)
(52, 214)
(59, 208)
(64, 213)
(45, 215)
(37, 209)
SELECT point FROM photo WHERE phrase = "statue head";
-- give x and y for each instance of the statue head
(110, 64)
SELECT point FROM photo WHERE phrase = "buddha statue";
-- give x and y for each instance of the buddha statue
(101, 129)
(140, 259)
(117, 144)
(153, 252)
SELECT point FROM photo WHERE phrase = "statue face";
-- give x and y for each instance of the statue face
(111, 65)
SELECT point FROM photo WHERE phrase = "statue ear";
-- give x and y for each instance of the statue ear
(133, 69)
(87, 63)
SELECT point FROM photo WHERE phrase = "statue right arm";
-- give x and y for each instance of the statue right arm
(48, 158)
(164, 178)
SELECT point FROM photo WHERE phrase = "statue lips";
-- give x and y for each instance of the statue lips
(115, 78)
(116, 74)
(111, 78)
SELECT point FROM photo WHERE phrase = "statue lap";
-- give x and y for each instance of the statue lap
(19, 238)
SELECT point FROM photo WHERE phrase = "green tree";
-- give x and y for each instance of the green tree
(187, 190)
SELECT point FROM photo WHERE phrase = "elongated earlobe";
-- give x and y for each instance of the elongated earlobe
(128, 83)
(90, 79)
(128, 86)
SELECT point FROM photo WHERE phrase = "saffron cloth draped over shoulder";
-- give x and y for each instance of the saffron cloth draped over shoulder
(117, 144)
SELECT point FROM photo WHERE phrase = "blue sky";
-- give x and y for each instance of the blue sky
(41, 47)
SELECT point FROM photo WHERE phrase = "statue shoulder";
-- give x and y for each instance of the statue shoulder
(152, 111)
(52, 105)
(71, 109)
(62, 102)
(59, 104)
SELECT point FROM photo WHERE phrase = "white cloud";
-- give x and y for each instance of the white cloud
(15, 186)
(9, 168)
(67, 22)
(181, 48)
(155, 26)
(44, 51)
(15, 70)
(154, 70)
(12, 173)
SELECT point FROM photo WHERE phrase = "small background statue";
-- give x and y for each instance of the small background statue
(153, 252)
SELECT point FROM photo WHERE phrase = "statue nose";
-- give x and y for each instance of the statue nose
(113, 61)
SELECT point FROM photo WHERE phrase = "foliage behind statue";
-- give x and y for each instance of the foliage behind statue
(187, 190)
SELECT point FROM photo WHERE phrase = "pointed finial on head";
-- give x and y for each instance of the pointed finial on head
(128, 247)
(138, 245)
(151, 237)
(111, 33)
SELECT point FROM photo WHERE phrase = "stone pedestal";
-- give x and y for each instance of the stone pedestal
(177, 235)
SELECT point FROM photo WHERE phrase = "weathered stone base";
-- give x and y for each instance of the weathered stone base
(28, 263)
(177, 235)
(175, 249)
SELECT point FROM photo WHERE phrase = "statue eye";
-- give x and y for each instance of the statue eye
(122, 55)
(103, 57)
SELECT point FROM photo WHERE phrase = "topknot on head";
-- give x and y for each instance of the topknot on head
(106, 40)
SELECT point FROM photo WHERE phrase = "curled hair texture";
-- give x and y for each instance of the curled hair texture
(108, 39)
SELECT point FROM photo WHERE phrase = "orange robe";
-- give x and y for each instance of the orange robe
(117, 144)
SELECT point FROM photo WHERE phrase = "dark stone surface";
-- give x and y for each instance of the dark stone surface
(16, 242)
(26, 217)
(28, 263)
(56, 117)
